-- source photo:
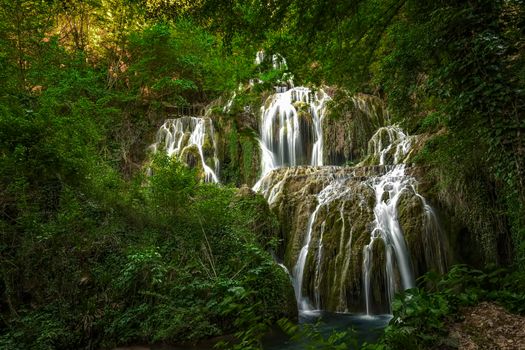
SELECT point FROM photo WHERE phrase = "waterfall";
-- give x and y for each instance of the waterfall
(387, 189)
(278, 61)
(346, 247)
(354, 234)
(192, 140)
(291, 129)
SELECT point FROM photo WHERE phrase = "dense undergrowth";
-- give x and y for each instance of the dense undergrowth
(93, 254)
(166, 260)
(421, 315)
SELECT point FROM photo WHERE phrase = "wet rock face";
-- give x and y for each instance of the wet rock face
(238, 152)
(191, 157)
(350, 124)
(341, 229)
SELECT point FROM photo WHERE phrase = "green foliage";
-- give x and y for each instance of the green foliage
(179, 60)
(93, 256)
(174, 277)
(421, 315)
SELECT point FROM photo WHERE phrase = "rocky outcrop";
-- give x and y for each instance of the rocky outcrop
(351, 122)
(333, 273)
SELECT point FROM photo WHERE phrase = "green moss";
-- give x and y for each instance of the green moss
(250, 159)
(190, 156)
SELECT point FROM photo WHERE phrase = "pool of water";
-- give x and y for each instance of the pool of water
(366, 328)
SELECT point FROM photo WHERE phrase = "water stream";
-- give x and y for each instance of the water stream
(183, 137)
(291, 128)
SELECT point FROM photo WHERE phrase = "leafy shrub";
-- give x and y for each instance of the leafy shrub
(421, 315)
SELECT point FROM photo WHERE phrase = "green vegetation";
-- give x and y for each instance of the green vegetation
(421, 316)
(94, 254)
(162, 262)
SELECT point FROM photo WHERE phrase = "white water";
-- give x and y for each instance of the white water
(278, 61)
(388, 189)
(178, 136)
(285, 139)
(390, 142)
(291, 134)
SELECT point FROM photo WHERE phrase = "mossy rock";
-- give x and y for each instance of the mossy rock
(191, 157)
(208, 148)
(351, 121)
(185, 138)
(411, 220)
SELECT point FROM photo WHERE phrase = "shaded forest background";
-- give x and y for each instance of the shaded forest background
(93, 254)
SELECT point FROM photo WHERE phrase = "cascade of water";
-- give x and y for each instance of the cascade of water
(291, 134)
(178, 137)
(228, 106)
(390, 142)
(259, 57)
(387, 140)
(290, 137)
(278, 61)
(335, 190)
(432, 238)
(356, 194)
(388, 189)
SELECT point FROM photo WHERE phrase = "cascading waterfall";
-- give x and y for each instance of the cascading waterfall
(354, 234)
(188, 138)
(348, 249)
(291, 129)
(388, 189)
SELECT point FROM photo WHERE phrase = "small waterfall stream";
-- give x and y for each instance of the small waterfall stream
(330, 193)
(388, 189)
(191, 139)
(291, 128)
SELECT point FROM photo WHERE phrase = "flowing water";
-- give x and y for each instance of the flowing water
(360, 327)
(291, 128)
(357, 235)
(188, 138)
(387, 189)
